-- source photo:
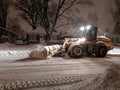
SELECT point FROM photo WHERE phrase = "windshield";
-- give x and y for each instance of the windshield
(90, 34)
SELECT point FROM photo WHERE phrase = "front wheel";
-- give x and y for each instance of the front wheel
(101, 51)
(76, 51)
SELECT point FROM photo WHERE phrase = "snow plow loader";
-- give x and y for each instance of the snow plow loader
(90, 44)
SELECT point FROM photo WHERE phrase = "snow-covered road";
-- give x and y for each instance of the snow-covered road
(18, 71)
(49, 74)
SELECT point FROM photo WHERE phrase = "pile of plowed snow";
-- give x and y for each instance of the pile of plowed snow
(115, 51)
(109, 80)
(11, 50)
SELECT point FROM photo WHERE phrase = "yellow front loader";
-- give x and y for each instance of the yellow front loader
(91, 44)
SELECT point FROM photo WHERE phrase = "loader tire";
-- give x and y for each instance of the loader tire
(101, 51)
(76, 51)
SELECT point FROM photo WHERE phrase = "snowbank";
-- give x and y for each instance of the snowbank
(11, 50)
(14, 53)
(45, 51)
(115, 51)
(109, 80)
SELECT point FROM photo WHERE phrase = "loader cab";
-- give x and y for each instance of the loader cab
(91, 34)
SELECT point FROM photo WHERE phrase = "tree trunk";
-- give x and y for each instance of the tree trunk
(48, 37)
(48, 34)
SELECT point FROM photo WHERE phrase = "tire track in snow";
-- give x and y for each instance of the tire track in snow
(44, 83)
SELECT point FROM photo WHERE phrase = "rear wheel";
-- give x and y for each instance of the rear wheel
(101, 51)
(76, 51)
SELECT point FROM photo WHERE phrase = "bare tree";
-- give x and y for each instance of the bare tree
(4, 4)
(52, 12)
(46, 13)
(28, 11)
(93, 18)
